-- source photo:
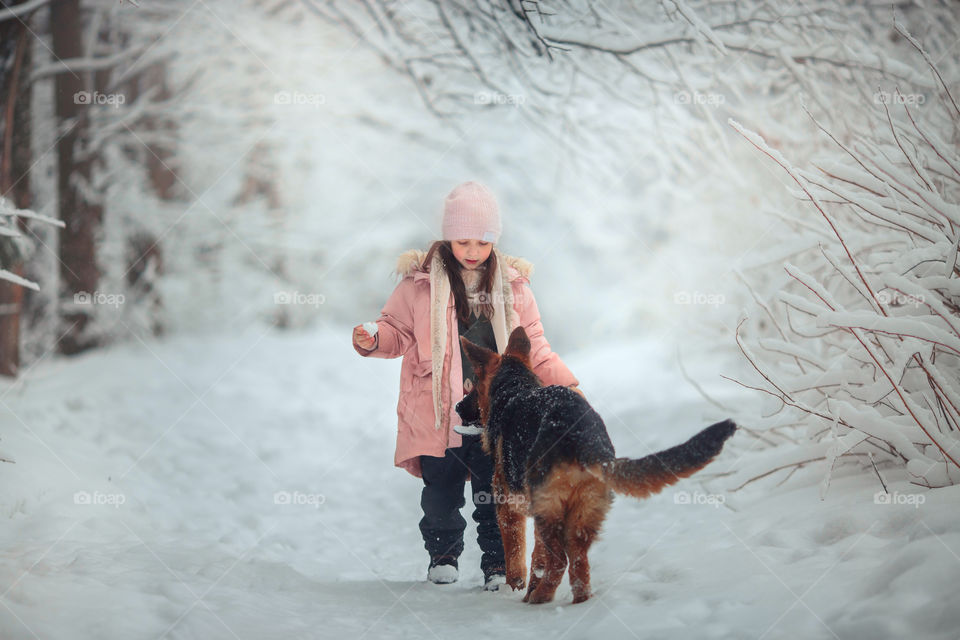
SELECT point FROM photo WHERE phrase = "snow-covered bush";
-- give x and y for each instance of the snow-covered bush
(860, 339)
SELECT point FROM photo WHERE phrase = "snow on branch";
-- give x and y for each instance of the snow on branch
(19, 11)
(10, 233)
(548, 62)
(876, 308)
(80, 65)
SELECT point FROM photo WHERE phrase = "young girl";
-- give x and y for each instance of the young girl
(462, 286)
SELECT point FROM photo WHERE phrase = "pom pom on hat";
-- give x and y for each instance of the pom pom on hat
(470, 212)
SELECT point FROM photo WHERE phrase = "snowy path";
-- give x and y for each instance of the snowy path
(195, 436)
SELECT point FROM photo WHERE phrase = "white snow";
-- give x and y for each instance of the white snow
(242, 486)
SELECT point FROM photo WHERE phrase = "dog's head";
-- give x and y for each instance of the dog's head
(469, 411)
(485, 364)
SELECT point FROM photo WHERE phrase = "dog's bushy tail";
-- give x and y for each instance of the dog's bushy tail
(641, 477)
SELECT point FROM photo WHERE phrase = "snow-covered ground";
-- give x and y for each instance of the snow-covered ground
(241, 486)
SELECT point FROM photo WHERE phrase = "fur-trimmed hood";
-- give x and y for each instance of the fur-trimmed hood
(410, 262)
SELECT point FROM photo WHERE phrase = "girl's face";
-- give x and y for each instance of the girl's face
(471, 253)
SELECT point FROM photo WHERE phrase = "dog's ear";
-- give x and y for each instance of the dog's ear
(519, 344)
(480, 358)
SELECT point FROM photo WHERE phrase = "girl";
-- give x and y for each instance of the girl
(462, 286)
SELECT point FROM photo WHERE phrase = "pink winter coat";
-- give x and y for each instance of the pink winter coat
(404, 330)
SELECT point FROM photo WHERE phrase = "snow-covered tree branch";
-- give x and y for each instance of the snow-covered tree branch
(868, 316)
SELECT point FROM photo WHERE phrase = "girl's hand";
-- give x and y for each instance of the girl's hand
(363, 339)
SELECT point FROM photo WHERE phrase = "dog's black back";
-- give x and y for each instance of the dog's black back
(539, 426)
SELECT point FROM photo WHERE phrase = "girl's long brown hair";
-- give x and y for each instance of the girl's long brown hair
(452, 268)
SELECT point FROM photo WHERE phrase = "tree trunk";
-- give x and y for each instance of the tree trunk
(81, 216)
(14, 182)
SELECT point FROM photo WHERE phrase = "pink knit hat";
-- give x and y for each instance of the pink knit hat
(471, 212)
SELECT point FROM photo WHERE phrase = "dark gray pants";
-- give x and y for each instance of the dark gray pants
(442, 525)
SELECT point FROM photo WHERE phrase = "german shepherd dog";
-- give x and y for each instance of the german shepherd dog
(553, 460)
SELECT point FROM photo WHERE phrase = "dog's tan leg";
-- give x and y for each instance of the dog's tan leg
(578, 544)
(513, 531)
(547, 507)
(538, 566)
(550, 537)
(550, 531)
(582, 522)
(512, 519)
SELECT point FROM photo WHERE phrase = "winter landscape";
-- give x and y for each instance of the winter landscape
(734, 210)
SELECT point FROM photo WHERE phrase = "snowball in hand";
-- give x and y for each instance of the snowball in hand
(371, 328)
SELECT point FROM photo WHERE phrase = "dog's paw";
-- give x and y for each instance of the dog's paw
(534, 581)
(516, 582)
(538, 597)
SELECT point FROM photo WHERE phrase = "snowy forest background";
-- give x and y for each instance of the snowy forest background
(758, 199)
